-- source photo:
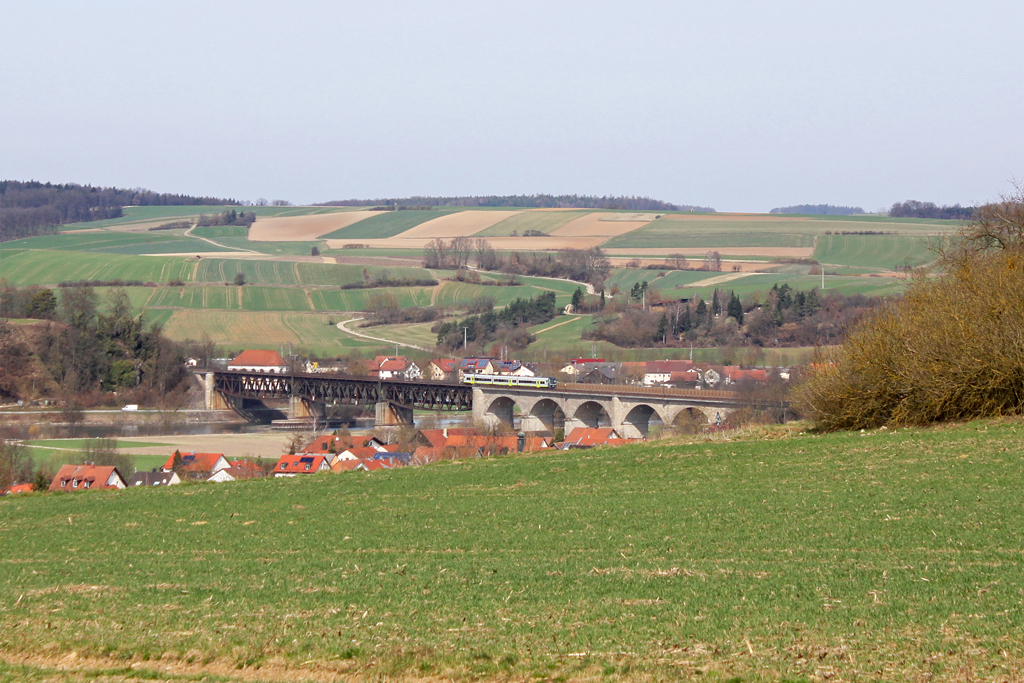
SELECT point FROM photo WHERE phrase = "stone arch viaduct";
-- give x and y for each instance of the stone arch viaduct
(631, 411)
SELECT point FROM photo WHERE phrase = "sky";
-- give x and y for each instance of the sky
(741, 106)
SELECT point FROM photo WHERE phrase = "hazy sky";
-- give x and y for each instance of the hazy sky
(736, 105)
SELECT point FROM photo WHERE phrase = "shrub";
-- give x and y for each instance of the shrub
(951, 348)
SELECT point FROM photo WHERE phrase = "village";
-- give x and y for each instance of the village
(340, 451)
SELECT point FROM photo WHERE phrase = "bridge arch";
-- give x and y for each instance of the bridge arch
(550, 414)
(689, 420)
(639, 421)
(502, 409)
(592, 414)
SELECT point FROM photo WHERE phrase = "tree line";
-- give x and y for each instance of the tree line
(532, 201)
(33, 208)
(820, 210)
(781, 317)
(915, 209)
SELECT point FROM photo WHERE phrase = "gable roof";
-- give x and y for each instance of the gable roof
(259, 357)
(667, 367)
(300, 464)
(322, 444)
(445, 364)
(196, 462)
(19, 488)
(475, 363)
(236, 473)
(591, 436)
(87, 477)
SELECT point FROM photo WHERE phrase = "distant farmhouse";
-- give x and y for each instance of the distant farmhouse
(259, 361)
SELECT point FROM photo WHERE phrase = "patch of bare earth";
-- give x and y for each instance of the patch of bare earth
(458, 224)
(598, 225)
(304, 228)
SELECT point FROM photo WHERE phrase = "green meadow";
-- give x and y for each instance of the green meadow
(878, 555)
(882, 252)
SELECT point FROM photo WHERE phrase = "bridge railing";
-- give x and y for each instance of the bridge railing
(627, 390)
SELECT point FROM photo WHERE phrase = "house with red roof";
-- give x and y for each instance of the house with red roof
(292, 465)
(660, 371)
(19, 488)
(440, 369)
(258, 360)
(736, 375)
(198, 465)
(395, 367)
(587, 437)
(86, 477)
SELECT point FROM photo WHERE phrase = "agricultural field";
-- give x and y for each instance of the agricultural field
(43, 267)
(882, 252)
(544, 221)
(386, 224)
(881, 555)
(315, 333)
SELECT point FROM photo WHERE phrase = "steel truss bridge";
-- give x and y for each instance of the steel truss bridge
(335, 390)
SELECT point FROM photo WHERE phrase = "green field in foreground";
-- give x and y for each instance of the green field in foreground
(893, 556)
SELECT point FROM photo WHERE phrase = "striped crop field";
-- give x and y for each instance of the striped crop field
(274, 299)
(358, 299)
(873, 251)
(538, 220)
(387, 224)
(39, 267)
(196, 297)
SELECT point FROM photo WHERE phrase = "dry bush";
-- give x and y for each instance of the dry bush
(951, 348)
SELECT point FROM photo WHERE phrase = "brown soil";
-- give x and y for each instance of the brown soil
(594, 225)
(458, 224)
(304, 228)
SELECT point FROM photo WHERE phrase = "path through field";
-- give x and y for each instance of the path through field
(343, 326)
(572, 318)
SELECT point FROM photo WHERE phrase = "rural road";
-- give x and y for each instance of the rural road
(343, 327)
(564, 322)
(188, 233)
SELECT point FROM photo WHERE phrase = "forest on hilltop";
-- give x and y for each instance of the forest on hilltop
(532, 201)
(33, 208)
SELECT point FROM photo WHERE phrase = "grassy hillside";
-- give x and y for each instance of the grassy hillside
(891, 555)
(873, 251)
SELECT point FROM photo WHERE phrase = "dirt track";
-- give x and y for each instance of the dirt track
(304, 228)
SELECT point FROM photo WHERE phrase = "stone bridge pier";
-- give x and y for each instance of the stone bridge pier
(631, 412)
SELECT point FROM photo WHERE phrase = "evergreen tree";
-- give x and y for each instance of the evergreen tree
(735, 309)
(662, 332)
(577, 299)
(716, 306)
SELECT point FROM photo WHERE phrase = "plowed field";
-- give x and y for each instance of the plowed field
(303, 228)
(459, 224)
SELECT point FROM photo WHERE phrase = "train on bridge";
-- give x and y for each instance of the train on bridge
(511, 381)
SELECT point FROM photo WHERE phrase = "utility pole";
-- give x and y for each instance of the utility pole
(823, 277)
(465, 337)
